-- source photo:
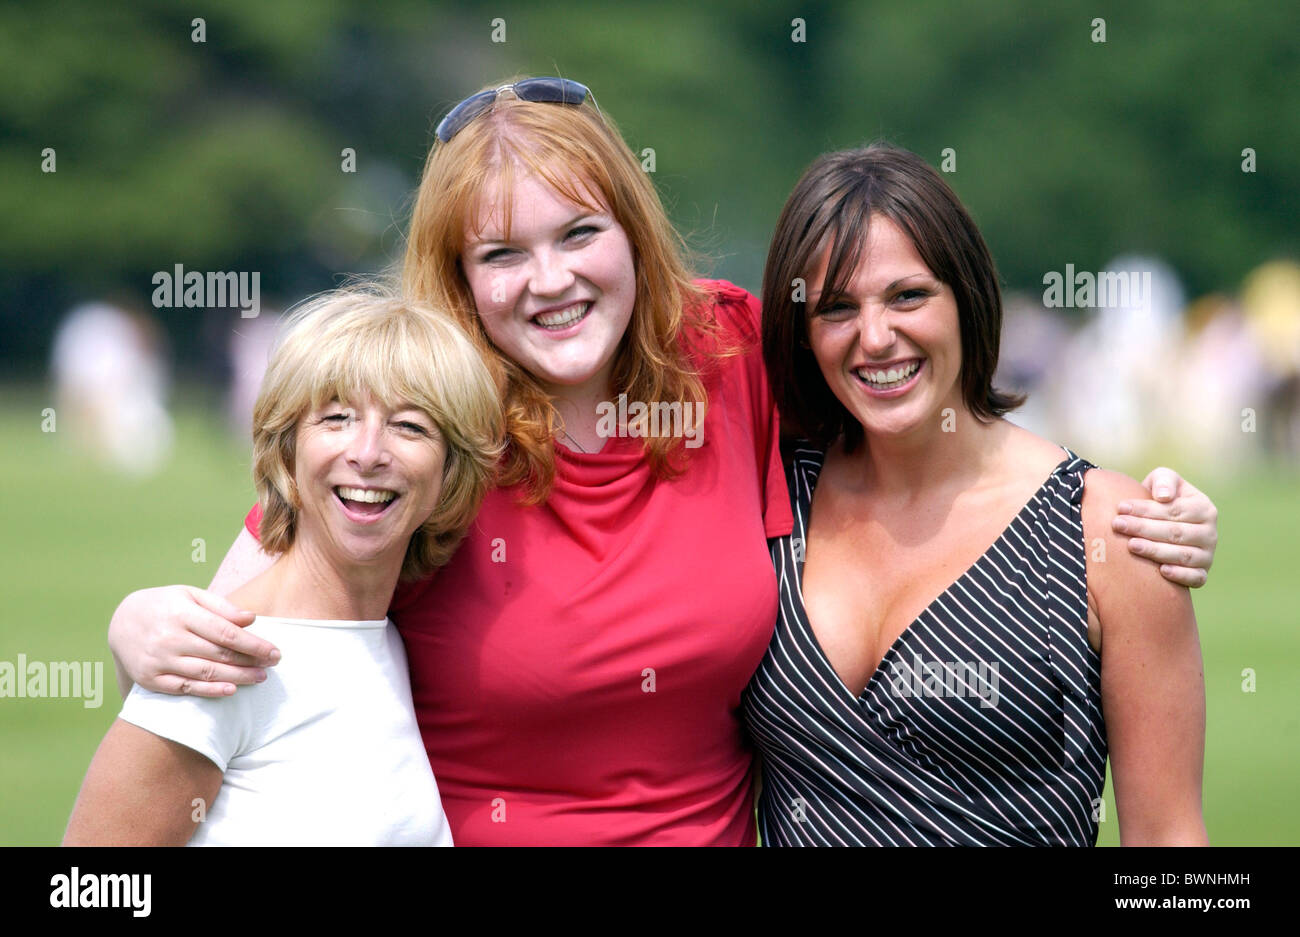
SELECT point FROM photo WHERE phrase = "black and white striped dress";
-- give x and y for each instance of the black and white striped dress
(983, 724)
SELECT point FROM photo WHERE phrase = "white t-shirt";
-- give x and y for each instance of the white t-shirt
(325, 752)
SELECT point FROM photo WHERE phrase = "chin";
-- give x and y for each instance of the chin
(571, 374)
(893, 425)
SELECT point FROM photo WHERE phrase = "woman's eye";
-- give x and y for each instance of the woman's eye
(911, 296)
(412, 427)
(497, 255)
(836, 310)
(581, 231)
(336, 418)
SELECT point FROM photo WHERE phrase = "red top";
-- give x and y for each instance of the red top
(577, 667)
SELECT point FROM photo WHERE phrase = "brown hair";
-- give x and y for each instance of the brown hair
(831, 206)
(582, 157)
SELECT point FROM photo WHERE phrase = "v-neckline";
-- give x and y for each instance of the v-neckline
(891, 652)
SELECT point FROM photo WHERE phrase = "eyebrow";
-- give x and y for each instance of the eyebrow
(888, 289)
(403, 406)
(910, 276)
(568, 224)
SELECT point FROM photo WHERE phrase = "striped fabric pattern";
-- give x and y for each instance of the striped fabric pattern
(983, 724)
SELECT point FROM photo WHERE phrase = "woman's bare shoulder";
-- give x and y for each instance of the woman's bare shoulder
(1112, 567)
(1028, 454)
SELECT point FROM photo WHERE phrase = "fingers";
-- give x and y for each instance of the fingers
(1177, 533)
(1162, 483)
(198, 669)
(194, 672)
(224, 641)
(1153, 509)
(1197, 509)
(220, 605)
(1193, 559)
(1191, 578)
(175, 639)
(209, 655)
(181, 686)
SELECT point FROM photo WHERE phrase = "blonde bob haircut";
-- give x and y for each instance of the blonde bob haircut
(363, 342)
(583, 158)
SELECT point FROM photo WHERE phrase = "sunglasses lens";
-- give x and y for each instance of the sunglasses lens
(463, 113)
(551, 91)
(533, 90)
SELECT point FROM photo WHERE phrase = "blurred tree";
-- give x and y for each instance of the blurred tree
(227, 154)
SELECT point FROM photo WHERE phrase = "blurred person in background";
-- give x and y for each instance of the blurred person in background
(110, 383)
(1118, 372)
(1222, 377)
(1270, 297)
(249, 349)
(1034, 340)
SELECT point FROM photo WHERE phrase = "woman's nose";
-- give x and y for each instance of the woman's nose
(367, 449)
(552, 274)
(875, 332)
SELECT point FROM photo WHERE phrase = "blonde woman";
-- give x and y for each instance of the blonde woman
(374, 439)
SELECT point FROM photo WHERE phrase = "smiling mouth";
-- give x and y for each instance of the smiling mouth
(558, 319)
(368, 502)
(888, 378)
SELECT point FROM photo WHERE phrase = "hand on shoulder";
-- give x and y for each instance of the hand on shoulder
(1118, 580)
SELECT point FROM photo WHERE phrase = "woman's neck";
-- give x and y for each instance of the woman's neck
(577, 408)
(303, 583)
(906, 468)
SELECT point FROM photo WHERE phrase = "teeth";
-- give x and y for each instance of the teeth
(562, 317)
(370, 497)
(892, 377)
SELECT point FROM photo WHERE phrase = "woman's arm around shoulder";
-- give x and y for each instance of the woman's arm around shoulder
(183, 640)
(142, 790)
(1152, 678)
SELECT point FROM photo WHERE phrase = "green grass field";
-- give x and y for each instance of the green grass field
(76, 539)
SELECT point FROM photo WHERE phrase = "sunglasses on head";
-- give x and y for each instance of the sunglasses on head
(533, 90)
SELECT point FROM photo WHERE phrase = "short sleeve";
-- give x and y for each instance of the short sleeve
(741, 313)
(215, 728)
